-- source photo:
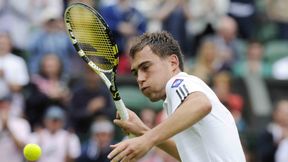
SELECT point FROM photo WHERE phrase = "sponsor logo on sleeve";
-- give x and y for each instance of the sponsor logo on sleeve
(176, 83)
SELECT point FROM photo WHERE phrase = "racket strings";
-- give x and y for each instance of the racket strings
(93, 38)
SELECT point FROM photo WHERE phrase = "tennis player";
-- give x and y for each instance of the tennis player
(202, 128)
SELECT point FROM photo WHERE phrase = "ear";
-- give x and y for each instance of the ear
(174, 62)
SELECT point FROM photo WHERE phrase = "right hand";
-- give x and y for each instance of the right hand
(133, 125)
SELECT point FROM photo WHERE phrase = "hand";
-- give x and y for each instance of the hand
(96, 104)
(127, 29)
(130, 150)
(133, 125)
(1, 73)
(4, 118)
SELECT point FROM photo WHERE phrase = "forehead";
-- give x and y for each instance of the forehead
(144, 55)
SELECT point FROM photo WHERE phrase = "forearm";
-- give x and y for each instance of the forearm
(170, 147)
(194, 108)
(166, 10)
(18, 143)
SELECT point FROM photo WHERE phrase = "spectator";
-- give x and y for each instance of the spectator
(14, 131)
(203, 18)
(89, 99)
(16, 19)
(254, 63)
(276, 11)
(281, 152)
(40, 9)
(205, 65)
(253, 71)
(171, 12)
(222, 85)
(244, 12)
(273, 135)
(124, 20)
(48, 87)
(58, 145)
(14, 73)
(227, 43)
(97, 147)
(50, 38)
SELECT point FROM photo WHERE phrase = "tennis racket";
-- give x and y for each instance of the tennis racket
(93, 40)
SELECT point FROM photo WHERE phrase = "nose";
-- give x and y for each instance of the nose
(140, 78)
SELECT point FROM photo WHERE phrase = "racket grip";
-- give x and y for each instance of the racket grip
(122, 110)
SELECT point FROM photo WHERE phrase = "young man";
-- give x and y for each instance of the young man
(202, 128)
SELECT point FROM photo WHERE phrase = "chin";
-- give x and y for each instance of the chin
(154, 99)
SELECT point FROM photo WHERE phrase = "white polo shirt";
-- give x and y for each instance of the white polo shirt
(8, 149)
(15, 69)
(56, 146)
(215, 137)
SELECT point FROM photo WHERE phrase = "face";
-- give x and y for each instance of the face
(255, 51)
(103, 138)
(51, 66)
(53, 125)
(5, 44)
(152, 72)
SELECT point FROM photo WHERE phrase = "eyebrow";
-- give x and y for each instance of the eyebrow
(134, 70)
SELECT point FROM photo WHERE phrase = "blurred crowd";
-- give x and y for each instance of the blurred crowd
(49, 97)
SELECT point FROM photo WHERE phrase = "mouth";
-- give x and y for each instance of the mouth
(144, 88)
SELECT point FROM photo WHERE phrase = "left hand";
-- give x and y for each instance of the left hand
(130, 150)
(4, 117)
(133, 125)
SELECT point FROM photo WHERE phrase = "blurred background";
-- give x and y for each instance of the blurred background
(49, 96)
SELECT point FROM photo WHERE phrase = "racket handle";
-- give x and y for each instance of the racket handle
(122, 110)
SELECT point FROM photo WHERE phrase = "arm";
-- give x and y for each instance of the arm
(135, 126)
(195, 107)
(166, 9)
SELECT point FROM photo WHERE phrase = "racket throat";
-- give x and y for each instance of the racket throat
(115, 93)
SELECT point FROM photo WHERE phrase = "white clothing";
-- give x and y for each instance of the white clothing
(56, 146)
(281, 154)
(15, 72)
(280, 69)
(15, 18)
(215, 137)
(15, 69)
(21, 130)
(205, 12)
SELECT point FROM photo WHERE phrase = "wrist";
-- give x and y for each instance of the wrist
(144, 130)
(153, 139)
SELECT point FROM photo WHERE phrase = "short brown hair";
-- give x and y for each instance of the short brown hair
(161, 43)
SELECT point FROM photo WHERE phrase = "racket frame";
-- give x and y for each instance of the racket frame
(119, 104)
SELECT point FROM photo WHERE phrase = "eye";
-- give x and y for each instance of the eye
(145, 67)
(134, 73)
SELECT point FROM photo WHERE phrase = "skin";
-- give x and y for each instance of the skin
(153, 73)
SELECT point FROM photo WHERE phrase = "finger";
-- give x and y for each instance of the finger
(117, 115)
(119, 123)
(125, 159)
(121, 156)
(125, 131)
(117, 149)
(131, 156)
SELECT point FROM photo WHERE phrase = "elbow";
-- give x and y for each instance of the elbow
(207, 107)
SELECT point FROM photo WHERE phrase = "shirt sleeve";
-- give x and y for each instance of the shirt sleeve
(179, 88)
(74, 146)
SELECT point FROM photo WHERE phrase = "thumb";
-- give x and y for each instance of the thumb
(120, 123)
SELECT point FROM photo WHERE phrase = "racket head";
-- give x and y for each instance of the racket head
(91, 37)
